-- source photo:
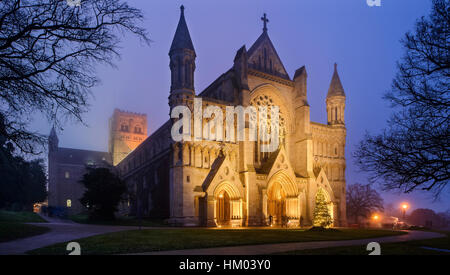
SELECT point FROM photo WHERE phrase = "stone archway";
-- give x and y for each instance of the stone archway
(227, 205)
(223, 213)
(276, 204)
(282, 201)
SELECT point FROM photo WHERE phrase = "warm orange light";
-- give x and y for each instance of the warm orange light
(221, 196)
(404, 206)
(376, 217)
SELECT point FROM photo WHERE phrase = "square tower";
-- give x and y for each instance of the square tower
(126, 131)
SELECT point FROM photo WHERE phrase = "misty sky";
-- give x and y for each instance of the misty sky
(363, 40)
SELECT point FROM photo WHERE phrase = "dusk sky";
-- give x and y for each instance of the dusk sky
(363, 40)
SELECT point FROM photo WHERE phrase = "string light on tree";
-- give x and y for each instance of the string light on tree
(322, 215)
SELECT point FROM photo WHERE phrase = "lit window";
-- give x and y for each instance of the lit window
(67, 175)
(69, 203)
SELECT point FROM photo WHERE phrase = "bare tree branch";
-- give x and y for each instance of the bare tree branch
(414, 151)
(48, 54)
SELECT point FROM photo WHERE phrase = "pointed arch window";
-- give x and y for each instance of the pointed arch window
(179, 69)
(186, 74)
(261, 101)
(124, 128)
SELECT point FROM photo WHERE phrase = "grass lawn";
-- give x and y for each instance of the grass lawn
(122, 221)
(14, 230)
(135, 241)
(12, 216)
(12, 225)
(403, 248)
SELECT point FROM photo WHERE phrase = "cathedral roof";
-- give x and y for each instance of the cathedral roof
(336, 88)
(182, 38)
(262, 56)
(82, 157)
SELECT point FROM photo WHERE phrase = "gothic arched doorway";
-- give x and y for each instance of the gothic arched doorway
(281, 202)
(223, 213)
(276, 204)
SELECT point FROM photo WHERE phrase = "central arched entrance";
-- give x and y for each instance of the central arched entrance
(227, 205)
(281, 202)
(276, 204)
(223, 212)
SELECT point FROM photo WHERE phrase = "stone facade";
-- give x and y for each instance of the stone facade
(66, 167)
(126, 131)
(217, 183)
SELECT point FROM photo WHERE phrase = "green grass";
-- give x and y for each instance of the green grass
(12, 216)
(122, 221)
(403, 248)
(12, 225)
(14, 230)
(135, 241)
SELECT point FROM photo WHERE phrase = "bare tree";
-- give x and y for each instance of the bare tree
(362, 201)
(413, 152)
(48, 53)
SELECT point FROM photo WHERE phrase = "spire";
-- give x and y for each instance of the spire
(53, 132)
(53, 141)
(336, 88)
(182, 38)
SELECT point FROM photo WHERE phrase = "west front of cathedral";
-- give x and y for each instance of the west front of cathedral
(222, 183)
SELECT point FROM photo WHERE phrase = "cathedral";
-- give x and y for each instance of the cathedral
(234, 183)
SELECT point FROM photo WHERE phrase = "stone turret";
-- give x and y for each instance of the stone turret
(182, 64)
(53, 141)
(336, 100)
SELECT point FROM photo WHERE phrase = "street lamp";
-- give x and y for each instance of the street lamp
(404, 207)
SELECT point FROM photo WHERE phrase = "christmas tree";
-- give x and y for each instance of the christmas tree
(322, 215)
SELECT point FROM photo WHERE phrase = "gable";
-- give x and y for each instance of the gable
(322, 182)
(279, 162)
(262, 56)
(221, 172)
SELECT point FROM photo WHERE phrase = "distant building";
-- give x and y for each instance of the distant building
(126, 131)
(66, 166)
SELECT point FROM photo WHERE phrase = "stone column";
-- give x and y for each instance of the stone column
(210, 211)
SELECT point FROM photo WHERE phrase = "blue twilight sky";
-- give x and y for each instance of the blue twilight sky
(363, 40)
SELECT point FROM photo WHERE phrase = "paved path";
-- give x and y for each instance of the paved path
(61, 231)
(65, 231)
(285, 247)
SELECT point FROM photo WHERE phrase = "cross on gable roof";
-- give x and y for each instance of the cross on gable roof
(262, 56)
